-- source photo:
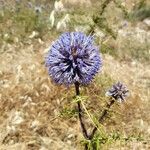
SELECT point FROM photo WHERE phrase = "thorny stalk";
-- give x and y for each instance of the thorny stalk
(84, 131)
(83, 128)
(104, 114)
(80, 113)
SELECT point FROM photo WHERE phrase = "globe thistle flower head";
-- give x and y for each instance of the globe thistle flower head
(118, 91)
(73, 58)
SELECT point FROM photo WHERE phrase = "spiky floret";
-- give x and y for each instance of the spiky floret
(118, 91)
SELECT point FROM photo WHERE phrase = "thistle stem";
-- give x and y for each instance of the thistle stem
(84, 131)
(104, 113)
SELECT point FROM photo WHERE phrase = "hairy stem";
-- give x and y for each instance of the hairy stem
(104, 114)
(84, 131)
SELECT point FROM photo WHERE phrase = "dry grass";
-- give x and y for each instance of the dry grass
(36, 114)
(30, 103)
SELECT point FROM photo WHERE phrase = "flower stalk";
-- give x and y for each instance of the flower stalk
(83, 128)
(101, 118)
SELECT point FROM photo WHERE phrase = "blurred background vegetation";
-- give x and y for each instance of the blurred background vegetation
(26, 21)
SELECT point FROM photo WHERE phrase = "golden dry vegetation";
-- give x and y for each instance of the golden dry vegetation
(36, 114)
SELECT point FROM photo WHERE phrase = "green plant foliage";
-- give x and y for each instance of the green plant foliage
(140, 11)
(100, 141)
(68, 113)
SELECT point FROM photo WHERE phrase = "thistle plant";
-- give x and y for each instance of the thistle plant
(74, 59)
(118, 92)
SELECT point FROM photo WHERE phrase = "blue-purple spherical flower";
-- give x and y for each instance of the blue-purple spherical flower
(73, 58)
(118, 91)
